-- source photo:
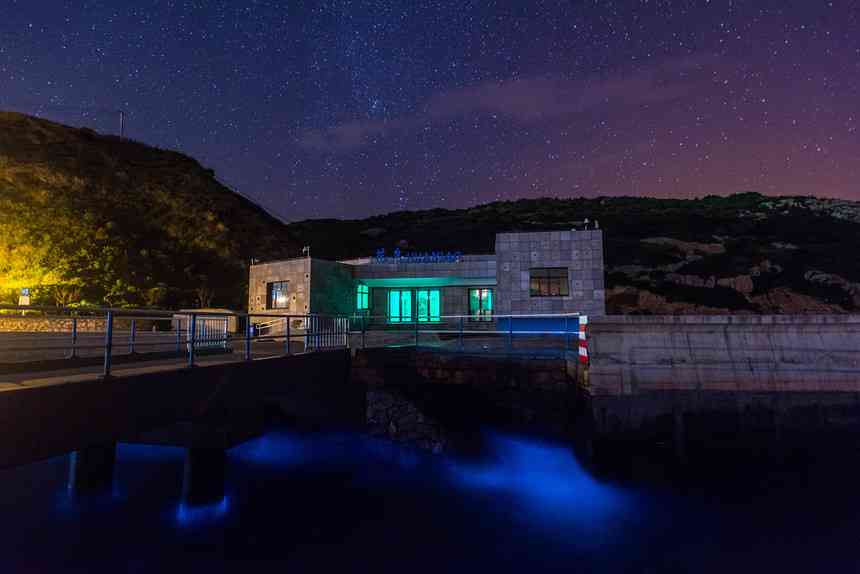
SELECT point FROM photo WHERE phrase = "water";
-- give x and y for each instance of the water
(325, 502)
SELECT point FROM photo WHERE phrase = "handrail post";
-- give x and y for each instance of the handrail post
(566, 335)
(74, 354)
(131, 338)
(248, 339)
(510, 333)
(364, 321)
(192, 336)
(178, 336)
(287, 335)
(108, 344)
(416, 330)
(461, 333)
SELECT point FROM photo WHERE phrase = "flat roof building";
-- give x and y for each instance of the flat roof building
(551, 272)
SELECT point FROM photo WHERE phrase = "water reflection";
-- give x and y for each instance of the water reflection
(202, 515)
(548, 477)
(349, 502)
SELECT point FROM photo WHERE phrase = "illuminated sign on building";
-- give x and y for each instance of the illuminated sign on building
(432, 257)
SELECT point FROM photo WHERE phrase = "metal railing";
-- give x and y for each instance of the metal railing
(143, 334)
(121, 334)
(495, 333)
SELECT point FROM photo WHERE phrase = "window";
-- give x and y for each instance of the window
(548, 282)
(429, 303)
(276, 295)
(362, 298)
(399, 306)
(480, 304)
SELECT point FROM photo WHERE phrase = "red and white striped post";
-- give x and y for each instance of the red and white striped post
(583, 339)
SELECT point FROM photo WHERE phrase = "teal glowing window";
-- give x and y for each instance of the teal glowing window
(399, 306)
(481, 304)
(429, 303)
(362, 298)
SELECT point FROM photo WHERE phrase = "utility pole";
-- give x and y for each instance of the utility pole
(122, 124)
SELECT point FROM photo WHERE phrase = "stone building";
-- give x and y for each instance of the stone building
(536, 273)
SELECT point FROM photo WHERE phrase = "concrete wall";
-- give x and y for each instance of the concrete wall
(68, 414)
(633, 355)
(332, 288)
(580, 251)
(468, 267)
(296, 271)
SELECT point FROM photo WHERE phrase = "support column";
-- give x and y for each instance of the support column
(92, 470)
(679, 435)
(203, 480)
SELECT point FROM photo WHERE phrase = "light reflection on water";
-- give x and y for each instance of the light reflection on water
(329, 499)
(201, 515)
(548, 477)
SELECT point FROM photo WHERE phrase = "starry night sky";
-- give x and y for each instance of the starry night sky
(346, 108)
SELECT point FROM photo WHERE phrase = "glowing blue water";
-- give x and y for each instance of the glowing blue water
(347, 502)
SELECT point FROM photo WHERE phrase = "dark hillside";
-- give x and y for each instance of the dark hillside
(86, 217)
(741, 253)
(91, 218)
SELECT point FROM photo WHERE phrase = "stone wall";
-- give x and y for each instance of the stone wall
(581, 252)
(37, 324)
(295, 271)
(439, 400)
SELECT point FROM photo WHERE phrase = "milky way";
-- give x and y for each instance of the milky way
(344, 109)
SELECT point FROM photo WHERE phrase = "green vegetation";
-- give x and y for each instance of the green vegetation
(93, 219)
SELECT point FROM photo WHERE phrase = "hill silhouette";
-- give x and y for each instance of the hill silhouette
(103, 220)
(92, 218)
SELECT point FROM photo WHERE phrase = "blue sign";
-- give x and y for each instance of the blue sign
(25, 292)
(431, 257)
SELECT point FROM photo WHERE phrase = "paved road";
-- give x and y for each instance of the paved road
(34, 378)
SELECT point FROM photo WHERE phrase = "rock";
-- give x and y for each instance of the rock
(784, 300)
(687, 247)
(374, 232)
(625, 300)
(741, 283)
(831, 279)
(691, 280)
(781, 245)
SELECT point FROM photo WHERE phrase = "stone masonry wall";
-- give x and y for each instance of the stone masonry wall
(36, 324)
(581, 252)
(435, 399)
(296, 271)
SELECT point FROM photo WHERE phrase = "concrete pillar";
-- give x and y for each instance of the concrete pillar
(679, 435)
(203, 480)
(92, 469)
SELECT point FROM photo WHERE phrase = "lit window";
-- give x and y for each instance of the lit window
(481, 304)
(399, 306)
(362, 298)
(548, 282)
(276, 295)
(429, 303)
